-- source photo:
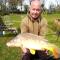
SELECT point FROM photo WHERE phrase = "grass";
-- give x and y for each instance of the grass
(12, 19)
(51, 29)
(5, 52)
(15, 53)
(8, 53)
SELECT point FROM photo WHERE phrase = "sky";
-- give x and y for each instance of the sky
(47, 2)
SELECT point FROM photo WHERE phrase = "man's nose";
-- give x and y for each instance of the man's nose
(35, 11)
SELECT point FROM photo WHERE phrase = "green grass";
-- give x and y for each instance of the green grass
(51, 29)
(16, 53)
(8, 53)
(12, 19)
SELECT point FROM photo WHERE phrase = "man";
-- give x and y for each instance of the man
(36, 24)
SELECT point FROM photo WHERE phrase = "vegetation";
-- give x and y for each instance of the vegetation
(9, 19)
(16, 53)
(51, 36)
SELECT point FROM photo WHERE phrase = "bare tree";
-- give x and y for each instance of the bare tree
(21, 3)
(13, 4)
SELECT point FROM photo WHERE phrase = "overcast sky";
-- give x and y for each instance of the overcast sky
(47, 2)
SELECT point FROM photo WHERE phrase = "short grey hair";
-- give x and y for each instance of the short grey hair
(33, 0)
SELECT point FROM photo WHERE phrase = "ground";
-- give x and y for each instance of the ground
(15, 53)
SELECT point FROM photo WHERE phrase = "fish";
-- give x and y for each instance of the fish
(33, 42)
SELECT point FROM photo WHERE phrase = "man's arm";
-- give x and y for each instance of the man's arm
(24, 27)
(44, 27)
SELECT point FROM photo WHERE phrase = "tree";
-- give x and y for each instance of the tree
(21, 3)
(3, 9)
(13, 4)
(26, 8)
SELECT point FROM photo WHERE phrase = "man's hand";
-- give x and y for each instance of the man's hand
(25, 50)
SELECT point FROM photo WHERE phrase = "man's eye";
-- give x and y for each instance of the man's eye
(37, 9)
(33, 9)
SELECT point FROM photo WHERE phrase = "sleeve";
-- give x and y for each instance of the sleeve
(24, 27)
(44, 28)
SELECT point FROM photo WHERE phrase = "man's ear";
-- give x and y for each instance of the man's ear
(28, 10)
(41, 9)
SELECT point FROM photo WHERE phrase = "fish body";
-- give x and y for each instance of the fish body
(35, 42)
(28, 40)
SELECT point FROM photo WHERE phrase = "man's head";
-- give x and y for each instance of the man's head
(35, 9)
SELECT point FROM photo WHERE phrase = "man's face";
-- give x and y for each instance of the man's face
(35, 10)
